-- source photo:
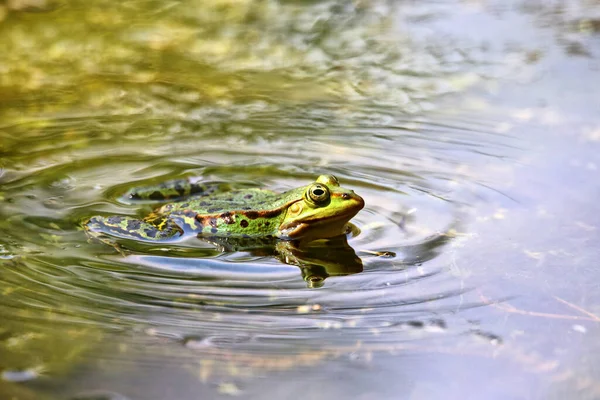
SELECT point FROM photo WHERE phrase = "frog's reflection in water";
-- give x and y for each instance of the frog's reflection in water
(321, 259)
(317, 260)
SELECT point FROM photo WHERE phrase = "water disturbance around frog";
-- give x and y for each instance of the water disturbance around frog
(97, 99)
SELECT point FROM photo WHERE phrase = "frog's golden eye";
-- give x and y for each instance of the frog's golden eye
(318, 193)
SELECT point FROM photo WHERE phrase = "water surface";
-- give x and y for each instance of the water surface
(478, 119)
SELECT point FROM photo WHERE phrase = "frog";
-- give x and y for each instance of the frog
(319, 210)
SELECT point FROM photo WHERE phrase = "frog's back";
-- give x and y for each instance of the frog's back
(235, 200)
(238, 213)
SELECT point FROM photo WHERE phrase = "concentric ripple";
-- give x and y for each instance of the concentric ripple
(158, 92)
(213, 303)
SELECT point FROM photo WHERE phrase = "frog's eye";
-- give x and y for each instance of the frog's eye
(318, 193)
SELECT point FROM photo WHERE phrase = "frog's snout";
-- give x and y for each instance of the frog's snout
(358, 201)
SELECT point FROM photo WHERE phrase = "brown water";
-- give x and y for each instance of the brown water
(475, 116)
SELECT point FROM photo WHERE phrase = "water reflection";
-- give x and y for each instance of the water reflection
(317, 261)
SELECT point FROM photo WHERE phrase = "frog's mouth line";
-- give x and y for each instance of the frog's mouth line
(320, 220)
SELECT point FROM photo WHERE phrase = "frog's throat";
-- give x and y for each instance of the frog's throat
(327, 227)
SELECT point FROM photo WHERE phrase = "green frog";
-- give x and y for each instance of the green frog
(319, 210)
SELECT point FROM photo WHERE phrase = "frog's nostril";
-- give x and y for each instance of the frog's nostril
(345, 196)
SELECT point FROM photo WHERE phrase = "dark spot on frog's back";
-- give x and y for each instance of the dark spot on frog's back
(248, 196)
(114, 220)
(179, 189)
(227, 217)
(192, 214)
(195, 188)
(133, 224)
(214, 230)
(244, 223)
(251, 214)
(214, 209)
(150, 232)
(270, 213)
(156, 195)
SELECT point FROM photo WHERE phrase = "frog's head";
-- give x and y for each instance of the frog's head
(321, 211)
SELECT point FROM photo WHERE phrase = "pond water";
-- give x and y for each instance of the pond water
(470, 128)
